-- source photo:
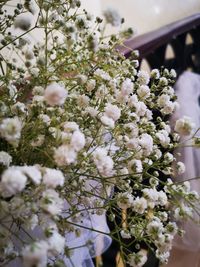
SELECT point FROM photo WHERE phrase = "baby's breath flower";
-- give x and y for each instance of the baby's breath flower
(55, 94)
(5, 158)
(112, 16)
(23, 21)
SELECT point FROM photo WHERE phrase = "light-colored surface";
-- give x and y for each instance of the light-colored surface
(147, 15)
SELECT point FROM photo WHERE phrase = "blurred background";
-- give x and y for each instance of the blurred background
(146, 15)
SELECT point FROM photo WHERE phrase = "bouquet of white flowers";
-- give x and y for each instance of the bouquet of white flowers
(82, 133)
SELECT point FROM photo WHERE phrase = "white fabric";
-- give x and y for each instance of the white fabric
(186, 250)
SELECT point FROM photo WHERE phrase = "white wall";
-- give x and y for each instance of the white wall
(147, 15)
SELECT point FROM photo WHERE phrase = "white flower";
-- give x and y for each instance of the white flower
(64, 155)
(146, 142)
(38, 141)
(82, 79)
(162, 198)
(102, 74)
(155, 228)
(99, 153)
(90, 85)
(32, 172)
(29, 54)
(12, 90)
(155, 74)
(38, 100)
(77, 141)
(108, 121)
(38, 90)
(133, 100)
(56, 244)
(103, 162)
(163, 138)
(53, 178)
(180, 166)
(56, 133)
(137, 259)
(127, 87)
(12, 182)
(125, 234)
(105, 166)
(132, 143)
(112, 111)
(10, 129)
(55, 94)
(163, 100)
(140, 205)
(163, 81)
(45, 118)
(168, 108)
(173, 73)
(135, 166)
(184, 126)
(143, 77)
(92, 111)
(83, 101)
(143, 91)
(141, 109)
(23, 21)
(112, 16)
(51, 202)
(18, 108)
(168, 157)
(5, 158)
(35, 254)
(124, 200)
(70, 126)
(163, 257)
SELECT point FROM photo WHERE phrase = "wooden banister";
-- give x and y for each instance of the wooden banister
(152, 46)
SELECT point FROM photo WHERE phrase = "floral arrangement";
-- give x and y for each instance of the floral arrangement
(83, 133)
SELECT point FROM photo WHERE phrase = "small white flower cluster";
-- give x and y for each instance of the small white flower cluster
(73, 142)
(82, 131)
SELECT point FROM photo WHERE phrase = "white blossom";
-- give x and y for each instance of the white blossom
(180, 167)
(184, 126)
(139, 205)
(55, 94)
(137, 259)
(77, 141)
(51, 202)
(146, 142)
(53, 178)
(5, 158)
(45, 118)
(124, 200)
(143, 77)
(70, 126)
(64, 155)
(56, 244)
(112, 16)
(125, 234)
(35, 254)
(32, 172)
(10, 129)
(143, 91)
(108, 121)
(127, 87)
(23, 21)
(12, 182)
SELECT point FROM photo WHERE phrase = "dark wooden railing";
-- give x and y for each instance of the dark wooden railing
(153, 45)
